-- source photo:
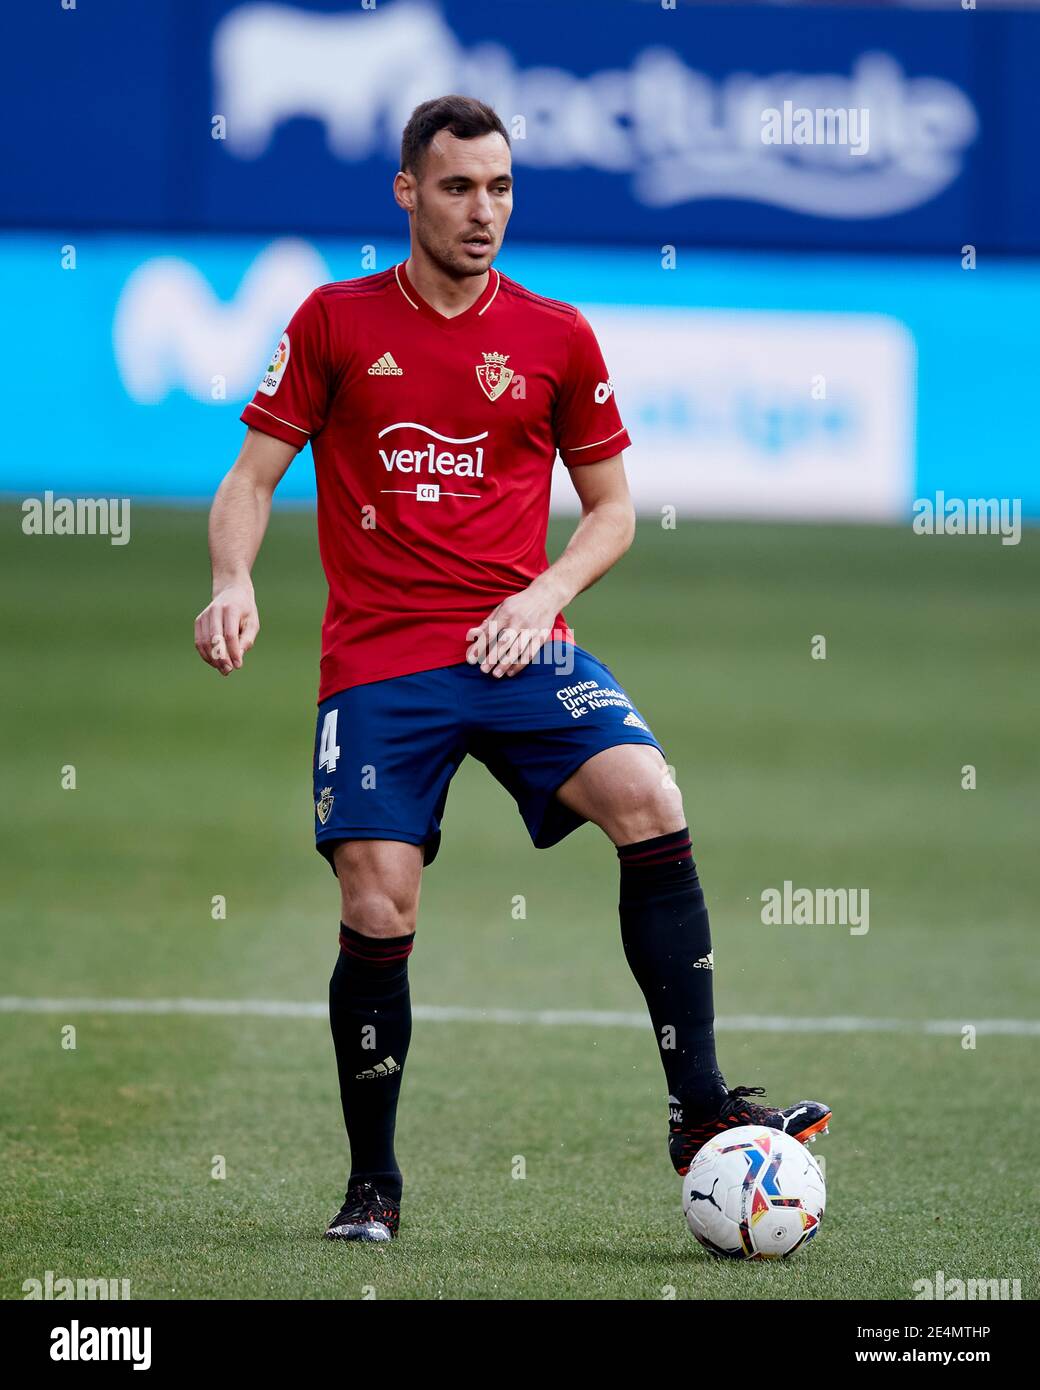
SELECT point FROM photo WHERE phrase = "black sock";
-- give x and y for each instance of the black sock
(667, 941)
(371, 1016)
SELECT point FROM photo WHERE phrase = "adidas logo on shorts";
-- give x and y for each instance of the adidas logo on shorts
(386, 366)
(635, 721)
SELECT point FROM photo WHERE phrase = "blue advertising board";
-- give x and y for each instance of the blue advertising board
(132, 368)
(631, 122)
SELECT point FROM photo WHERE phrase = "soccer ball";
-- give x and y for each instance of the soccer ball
(754, 1193)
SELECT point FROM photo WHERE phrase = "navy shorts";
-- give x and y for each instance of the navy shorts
(385, 752)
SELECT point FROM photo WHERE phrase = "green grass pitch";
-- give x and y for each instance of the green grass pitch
(841, 772)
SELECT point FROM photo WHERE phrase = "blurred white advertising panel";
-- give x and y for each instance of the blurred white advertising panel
(761, 414)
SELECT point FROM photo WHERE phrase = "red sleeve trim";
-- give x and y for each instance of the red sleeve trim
(263, 420)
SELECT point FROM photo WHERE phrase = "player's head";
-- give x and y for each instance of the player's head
(456, 182)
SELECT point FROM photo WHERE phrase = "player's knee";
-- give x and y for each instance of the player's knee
(376, 911)
(379, 885)
(647, 807)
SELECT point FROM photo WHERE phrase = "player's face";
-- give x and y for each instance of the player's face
(463, 199)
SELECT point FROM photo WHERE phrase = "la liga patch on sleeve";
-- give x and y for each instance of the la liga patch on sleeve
(275, 368)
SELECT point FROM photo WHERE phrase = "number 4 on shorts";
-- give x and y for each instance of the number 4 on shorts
(328, 751)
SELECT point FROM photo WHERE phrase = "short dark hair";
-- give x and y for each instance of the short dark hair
(464, 117)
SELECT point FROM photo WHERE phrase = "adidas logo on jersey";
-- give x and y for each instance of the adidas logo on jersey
(383, 1068)
(635, 721)
(386, 366)
(705, 963)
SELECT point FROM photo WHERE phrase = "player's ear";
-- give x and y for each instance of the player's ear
(404, 190)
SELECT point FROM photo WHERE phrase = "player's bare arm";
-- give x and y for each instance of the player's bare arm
(512, 633)
(227, 627)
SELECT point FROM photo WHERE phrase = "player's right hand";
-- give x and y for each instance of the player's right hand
(227, 628)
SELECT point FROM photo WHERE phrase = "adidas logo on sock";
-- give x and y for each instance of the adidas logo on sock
(674, 1111)
(383, 1068)
(634, 721)
(705, 963)
(386, 366)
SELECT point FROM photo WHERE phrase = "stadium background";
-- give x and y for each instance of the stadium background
(177, 177)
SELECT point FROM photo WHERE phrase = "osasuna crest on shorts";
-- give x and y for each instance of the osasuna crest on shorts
(323, 805)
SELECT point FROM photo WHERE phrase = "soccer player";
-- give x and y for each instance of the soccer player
(435, 396)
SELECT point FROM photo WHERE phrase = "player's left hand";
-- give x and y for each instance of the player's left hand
(511, 635)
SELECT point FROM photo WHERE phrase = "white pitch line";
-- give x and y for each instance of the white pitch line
(594, 1018)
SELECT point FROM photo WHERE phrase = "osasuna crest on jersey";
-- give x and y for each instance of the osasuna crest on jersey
(323, 805)
(494, 376)
(275, 368)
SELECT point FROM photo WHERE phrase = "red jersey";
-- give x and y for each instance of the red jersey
(434, 441)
